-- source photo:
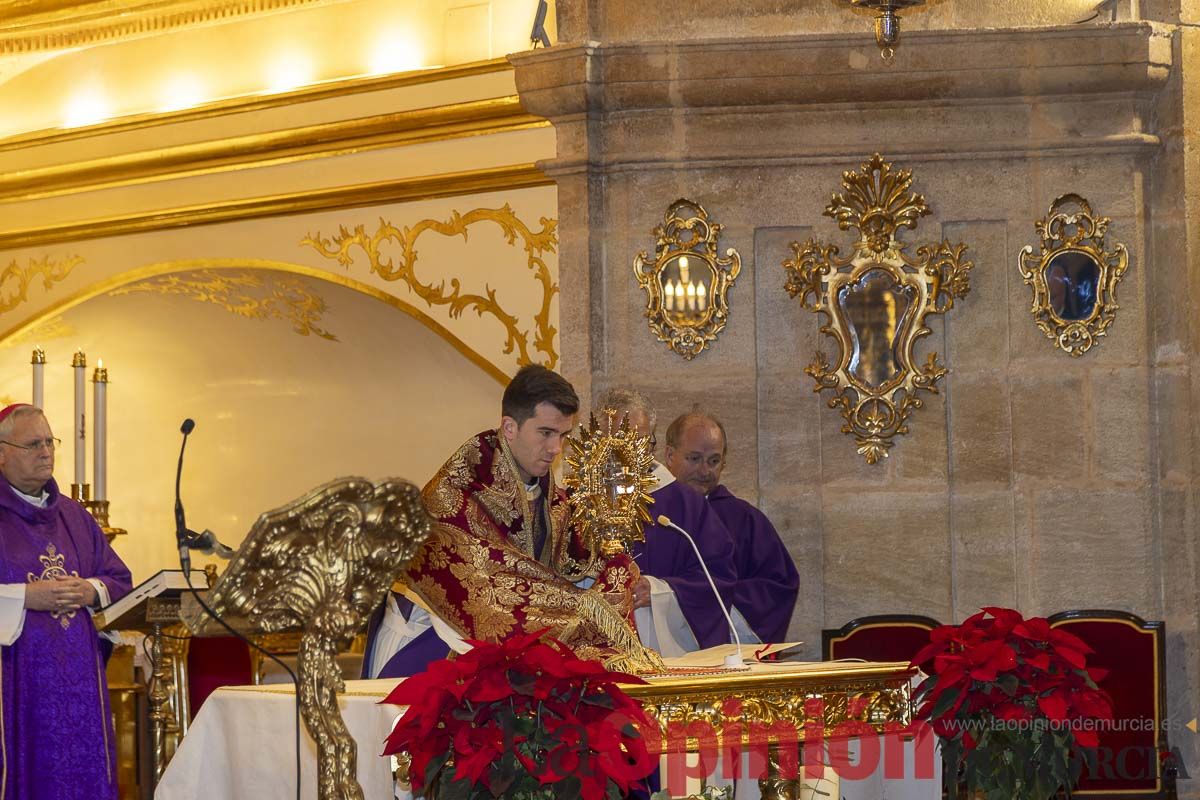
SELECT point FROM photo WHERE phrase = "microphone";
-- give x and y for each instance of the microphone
(734, 661)
(181, 531)
(207, 543)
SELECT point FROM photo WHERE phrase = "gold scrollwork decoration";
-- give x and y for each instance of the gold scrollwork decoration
(48, 329)
(882, 704)
(875, 302)
(687, 284)
(245, 295)
(609, 480)
(1074, 278)
(535, 243)
(16, 279)
(321, 565)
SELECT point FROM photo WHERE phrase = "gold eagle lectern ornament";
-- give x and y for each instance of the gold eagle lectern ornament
(321, 565)
(876, 301)
(609, 482)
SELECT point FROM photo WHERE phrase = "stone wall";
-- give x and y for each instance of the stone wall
(1033, 479)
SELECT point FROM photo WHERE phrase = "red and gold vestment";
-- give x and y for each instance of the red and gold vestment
(478, 570)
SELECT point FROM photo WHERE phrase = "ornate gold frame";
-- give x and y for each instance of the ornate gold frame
(687, 232)
(877, 203)
(1079, 232)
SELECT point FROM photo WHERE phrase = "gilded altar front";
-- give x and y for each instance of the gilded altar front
(876, 695)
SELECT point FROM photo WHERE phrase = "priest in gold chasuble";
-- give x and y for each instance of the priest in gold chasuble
(501, 559)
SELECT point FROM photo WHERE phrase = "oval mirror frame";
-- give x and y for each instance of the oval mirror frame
(877, 203)
(687, 284)
(1074, 276)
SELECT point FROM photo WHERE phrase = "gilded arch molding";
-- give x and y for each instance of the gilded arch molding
(167, 268)
(537, 244)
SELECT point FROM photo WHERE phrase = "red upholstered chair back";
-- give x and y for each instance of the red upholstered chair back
(1128, 763)
(885, 637)
(214, 662)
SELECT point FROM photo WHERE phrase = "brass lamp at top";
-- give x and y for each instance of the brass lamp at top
(609, 481)
(687, 284)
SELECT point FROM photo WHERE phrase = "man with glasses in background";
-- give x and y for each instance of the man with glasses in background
(55, 567)
(767, 580)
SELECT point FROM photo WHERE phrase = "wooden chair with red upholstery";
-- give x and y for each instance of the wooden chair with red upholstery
(883, 637)
(1134, 758)
(213, 662)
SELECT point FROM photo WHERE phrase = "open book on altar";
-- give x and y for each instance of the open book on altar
(134, 612)
(715, 656)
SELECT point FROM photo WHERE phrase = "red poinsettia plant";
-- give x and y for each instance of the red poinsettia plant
(523, 719)
(1011, 699)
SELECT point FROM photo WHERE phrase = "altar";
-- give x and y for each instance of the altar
(241, 744)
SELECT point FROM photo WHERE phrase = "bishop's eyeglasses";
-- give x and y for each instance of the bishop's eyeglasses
(52, 443)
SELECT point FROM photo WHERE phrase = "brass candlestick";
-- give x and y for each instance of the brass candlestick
(97, 508)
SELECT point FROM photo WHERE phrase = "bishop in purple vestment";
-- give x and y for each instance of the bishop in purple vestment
(767, 580)
(55, 565)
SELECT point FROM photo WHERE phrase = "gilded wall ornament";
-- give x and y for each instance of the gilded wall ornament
(244, 294)
(1074, 277)
(321, 565)
(535, 243)
(610, 480)
(15, 279)
(876, 301)
(47, 330)
(687, 284)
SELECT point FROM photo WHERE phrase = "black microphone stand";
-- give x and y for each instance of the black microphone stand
(186, 541)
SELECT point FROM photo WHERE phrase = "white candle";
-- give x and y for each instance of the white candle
(100, 430)
(701, 292)
(39, 369)
(669, 296)
(80, 365)
(691, 297)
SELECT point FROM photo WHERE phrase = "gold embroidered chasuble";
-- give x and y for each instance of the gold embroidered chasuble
(477, 569)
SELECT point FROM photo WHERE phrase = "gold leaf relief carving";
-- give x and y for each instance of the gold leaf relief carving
(245, 295)
(536, 245)
(47, 330)
(16, 279)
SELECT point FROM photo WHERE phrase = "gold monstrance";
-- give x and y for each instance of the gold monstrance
(609, 480)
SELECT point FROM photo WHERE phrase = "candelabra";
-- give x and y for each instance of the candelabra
(82, 494)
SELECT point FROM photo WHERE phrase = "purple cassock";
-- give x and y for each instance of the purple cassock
(767, 580)
(667, 556)
(57, 729)
(415, 656)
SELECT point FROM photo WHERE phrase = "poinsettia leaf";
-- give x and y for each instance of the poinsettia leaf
(504, 772)
(455, 790)
(522, 682)
(944, 703)
(569, 788)
(600, 699)
(1008, 683)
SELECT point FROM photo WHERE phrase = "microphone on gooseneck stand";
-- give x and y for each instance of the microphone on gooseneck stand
(732, 661)
(181, 531)
(206, 542)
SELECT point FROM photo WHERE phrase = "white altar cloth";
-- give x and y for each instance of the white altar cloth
(241, 747)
